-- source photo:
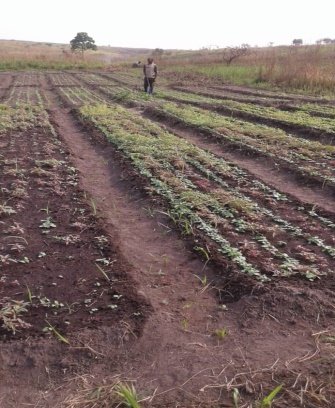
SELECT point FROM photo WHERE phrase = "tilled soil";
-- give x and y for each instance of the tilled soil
(163, 327)
(55, 246)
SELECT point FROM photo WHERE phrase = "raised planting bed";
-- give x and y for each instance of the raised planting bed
(203, 197)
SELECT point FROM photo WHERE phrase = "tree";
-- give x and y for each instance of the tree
(82, 42)
(157, 53)
(297, 41)
(325, 41)
(229, 54)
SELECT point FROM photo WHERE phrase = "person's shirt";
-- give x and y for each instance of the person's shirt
(150, 70)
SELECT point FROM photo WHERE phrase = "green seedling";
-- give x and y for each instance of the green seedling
(185, 324)
(221, 333)
(128, 395)
(267, 401)
(10, 313)
(48, 223)
(61, 338)
(6, 210)
(236, 397)
(203, 280)
(202, 251)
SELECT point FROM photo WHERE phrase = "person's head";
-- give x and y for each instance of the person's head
(150, 60)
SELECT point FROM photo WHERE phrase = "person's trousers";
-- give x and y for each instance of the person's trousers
(149, 85)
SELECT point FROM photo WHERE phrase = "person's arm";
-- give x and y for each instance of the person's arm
(155, 71)
(144, 70)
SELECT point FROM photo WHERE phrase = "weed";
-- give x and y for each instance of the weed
(128, 395)
(203, 252)
(10, 313)
(221, 333)
(185, 324)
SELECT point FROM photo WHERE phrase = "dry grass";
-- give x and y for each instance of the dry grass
(27, 55)
(113, 393)
(304, 68)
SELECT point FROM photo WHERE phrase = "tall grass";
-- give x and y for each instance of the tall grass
(308, 69)
(20, 55)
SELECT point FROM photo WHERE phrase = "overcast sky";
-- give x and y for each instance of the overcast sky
(184, 24)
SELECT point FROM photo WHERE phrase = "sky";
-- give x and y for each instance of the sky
(169, 24)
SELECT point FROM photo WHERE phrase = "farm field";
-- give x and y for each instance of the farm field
(182, 243)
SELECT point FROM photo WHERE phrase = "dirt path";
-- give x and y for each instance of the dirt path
(6, 79)
(167, 268)
(264, 169)
(178, 353)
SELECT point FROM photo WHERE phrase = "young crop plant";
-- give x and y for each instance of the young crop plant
(300, 118)
(78, 96)
(310, 159)
(201, 203)
(10, 315)
(20, 117)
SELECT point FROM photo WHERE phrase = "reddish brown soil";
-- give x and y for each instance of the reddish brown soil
(56, 271)
(6, 79)
(275, 338)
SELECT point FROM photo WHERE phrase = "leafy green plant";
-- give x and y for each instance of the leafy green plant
(10, 312)
(48, 223)
(214, 206)
(6, 210)
(221, 333)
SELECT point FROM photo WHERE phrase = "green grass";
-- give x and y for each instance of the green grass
(236, 74)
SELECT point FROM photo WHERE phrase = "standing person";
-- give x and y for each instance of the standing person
(150, 74)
